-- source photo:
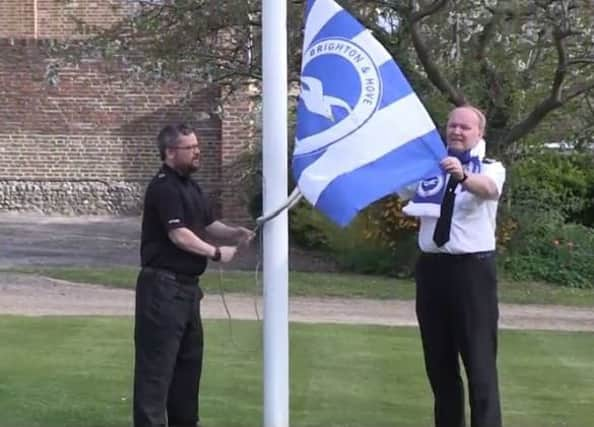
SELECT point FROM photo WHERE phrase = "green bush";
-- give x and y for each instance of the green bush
(554, 181)
(562, 254)
(354, 248)
(309, 229)
(391, 228)
(544, 195)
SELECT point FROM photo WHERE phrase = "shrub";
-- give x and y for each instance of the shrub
(356, 248)
(543, 196)
(392, 229)
(309, 228)
(552, 181)
(562, 254)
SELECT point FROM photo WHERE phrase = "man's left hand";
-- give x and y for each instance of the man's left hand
(453, 166)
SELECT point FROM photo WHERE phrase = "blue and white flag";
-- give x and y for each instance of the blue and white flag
(362, 133)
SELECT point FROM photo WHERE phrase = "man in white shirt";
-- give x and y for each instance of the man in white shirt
(456, 301)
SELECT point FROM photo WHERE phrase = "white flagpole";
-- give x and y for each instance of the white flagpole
(276, 241)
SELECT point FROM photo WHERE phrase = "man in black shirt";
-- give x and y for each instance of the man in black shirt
(174, 252)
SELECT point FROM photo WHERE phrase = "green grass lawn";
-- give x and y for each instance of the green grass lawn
(76, 372)
(324, 284)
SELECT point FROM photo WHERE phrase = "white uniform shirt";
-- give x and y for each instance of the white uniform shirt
(473, 220)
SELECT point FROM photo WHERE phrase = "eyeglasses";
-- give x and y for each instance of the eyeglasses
(188, 147)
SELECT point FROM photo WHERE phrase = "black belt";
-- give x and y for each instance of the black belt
(444, 255)
(185, 279)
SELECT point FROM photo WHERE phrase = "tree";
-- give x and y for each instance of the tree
(204, 41)
(520, 60)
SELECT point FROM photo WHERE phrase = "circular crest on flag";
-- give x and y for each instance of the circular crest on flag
(340, 90)
(431, 187)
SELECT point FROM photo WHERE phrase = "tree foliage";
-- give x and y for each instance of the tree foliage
(519, 60)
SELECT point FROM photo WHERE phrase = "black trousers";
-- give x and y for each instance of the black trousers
(457, 311)
(168, 342)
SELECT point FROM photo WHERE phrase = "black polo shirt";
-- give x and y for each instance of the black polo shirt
(173, 201)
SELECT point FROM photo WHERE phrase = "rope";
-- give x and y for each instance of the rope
(295, 196)
(256, 294)
(292, 200)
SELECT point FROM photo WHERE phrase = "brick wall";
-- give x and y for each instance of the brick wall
(237, 133)
(16, 18)
(87, 143)
(58, 19)
(94, 122)
(55, 18)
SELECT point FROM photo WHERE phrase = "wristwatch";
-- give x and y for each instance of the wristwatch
(217, 254)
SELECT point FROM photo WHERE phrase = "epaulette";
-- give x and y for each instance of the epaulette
(489, 161)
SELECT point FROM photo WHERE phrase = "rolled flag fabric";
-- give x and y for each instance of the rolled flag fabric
(362, 133)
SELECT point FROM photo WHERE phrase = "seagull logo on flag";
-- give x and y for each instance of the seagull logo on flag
(362, 133)
(312, 95)
(331, 108)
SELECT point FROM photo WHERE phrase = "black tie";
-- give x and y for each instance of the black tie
(441, 235)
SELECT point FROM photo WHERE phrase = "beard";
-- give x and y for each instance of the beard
(187, 169)
(191, 169)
